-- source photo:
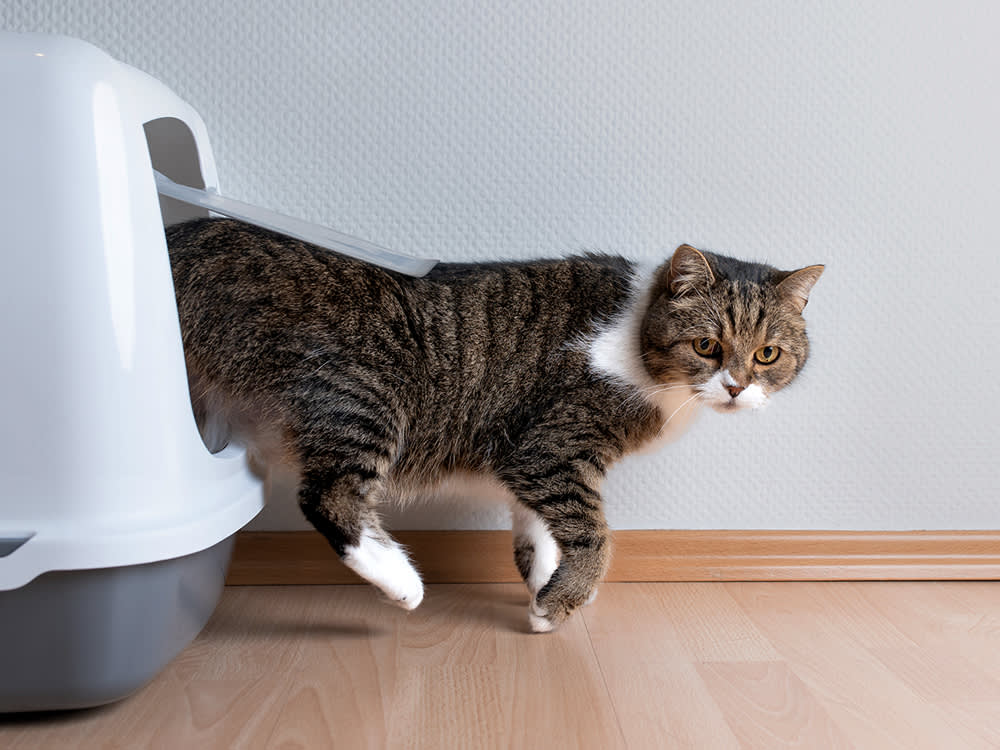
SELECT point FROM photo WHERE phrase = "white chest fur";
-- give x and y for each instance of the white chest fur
(614, 353)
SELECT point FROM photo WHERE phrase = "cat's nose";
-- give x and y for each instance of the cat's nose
(734, 390)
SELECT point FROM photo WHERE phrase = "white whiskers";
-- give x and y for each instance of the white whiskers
(650, 392)
(676, 412)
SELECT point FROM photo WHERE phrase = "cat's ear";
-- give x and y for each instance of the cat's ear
(795, 287)
(689, 271)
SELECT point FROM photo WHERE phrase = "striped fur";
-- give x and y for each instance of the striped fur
(366, 381)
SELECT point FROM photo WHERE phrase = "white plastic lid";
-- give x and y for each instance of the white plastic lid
(297, 228)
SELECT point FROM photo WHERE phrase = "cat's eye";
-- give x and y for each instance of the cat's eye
(707, 347)
(767, 354)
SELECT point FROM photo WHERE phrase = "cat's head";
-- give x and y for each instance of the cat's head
(731, 330)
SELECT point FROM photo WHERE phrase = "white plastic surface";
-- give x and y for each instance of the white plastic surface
(303, 230)
(100, 458)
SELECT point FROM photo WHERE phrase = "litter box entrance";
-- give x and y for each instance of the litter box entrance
(174, 153)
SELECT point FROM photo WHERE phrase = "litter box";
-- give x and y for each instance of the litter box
(116, 521)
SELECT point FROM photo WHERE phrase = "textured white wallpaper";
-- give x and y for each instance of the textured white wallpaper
(857, 134)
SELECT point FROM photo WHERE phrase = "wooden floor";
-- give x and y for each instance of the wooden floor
(664, 665)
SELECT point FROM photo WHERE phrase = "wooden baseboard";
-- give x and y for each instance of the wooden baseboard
(303, 557)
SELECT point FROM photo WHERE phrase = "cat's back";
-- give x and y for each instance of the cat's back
(250, 298)
(526, 308)
(228, 257)
(258, 285)
(225, 264)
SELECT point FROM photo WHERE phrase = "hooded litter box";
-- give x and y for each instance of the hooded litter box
(116, 522)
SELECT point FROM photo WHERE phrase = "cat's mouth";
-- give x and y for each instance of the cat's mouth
(751, 398)
(728, 405)
(731, 405)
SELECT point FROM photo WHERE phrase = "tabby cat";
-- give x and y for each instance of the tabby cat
(538, 375)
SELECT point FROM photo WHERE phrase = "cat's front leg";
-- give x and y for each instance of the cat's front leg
(584, 563)
(568, 511)
(536, 553)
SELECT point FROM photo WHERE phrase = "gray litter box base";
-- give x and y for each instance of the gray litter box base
(80, 638)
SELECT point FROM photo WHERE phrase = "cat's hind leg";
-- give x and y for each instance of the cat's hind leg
(338, 500)
(339, 503)
(345, 458)
(379, 559)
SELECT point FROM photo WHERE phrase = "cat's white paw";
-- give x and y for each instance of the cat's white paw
(407, 591)
(590, 599)
(538, 619)
(384, 563)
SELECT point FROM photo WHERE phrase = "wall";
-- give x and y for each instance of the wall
(860, 135)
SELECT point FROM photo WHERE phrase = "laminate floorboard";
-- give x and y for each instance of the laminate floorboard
(647, 665)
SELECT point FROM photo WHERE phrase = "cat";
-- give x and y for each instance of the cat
(538, 375)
